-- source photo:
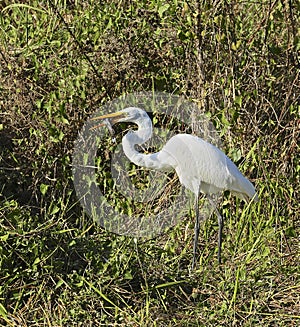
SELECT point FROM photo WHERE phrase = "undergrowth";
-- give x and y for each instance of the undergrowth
(239, 61)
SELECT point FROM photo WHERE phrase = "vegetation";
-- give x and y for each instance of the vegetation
(239, 60)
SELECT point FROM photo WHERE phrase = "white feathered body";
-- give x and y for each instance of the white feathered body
(199, 165)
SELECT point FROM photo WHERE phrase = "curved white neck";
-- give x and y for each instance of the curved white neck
(142, 135)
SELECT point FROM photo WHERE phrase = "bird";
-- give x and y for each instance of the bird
(201, 167)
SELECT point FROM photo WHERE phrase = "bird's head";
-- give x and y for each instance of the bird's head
(130, 114)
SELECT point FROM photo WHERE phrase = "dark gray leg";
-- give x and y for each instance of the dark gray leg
(196, 230)
(220, 222)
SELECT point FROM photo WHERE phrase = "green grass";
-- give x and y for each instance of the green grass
(240, 62)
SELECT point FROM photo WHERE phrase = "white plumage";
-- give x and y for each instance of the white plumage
(200, 166)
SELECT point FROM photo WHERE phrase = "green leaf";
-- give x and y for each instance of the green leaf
(128, 275)
(59, 283)
(53, 209)
(238, 100)
(3, 311)
(162, 9)
(44, 188)
(4, 237)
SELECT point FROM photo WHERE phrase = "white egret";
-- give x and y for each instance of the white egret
(200, 166)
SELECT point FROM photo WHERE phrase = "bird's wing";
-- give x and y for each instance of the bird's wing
(201, 164)
(240, 185)
(197, 163)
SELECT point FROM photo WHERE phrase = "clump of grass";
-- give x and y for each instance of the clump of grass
(59, 61)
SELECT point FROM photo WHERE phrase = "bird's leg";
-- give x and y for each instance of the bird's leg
(220, 222)
(196, 229)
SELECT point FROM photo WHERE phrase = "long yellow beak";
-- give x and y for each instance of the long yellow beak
(114, 117)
